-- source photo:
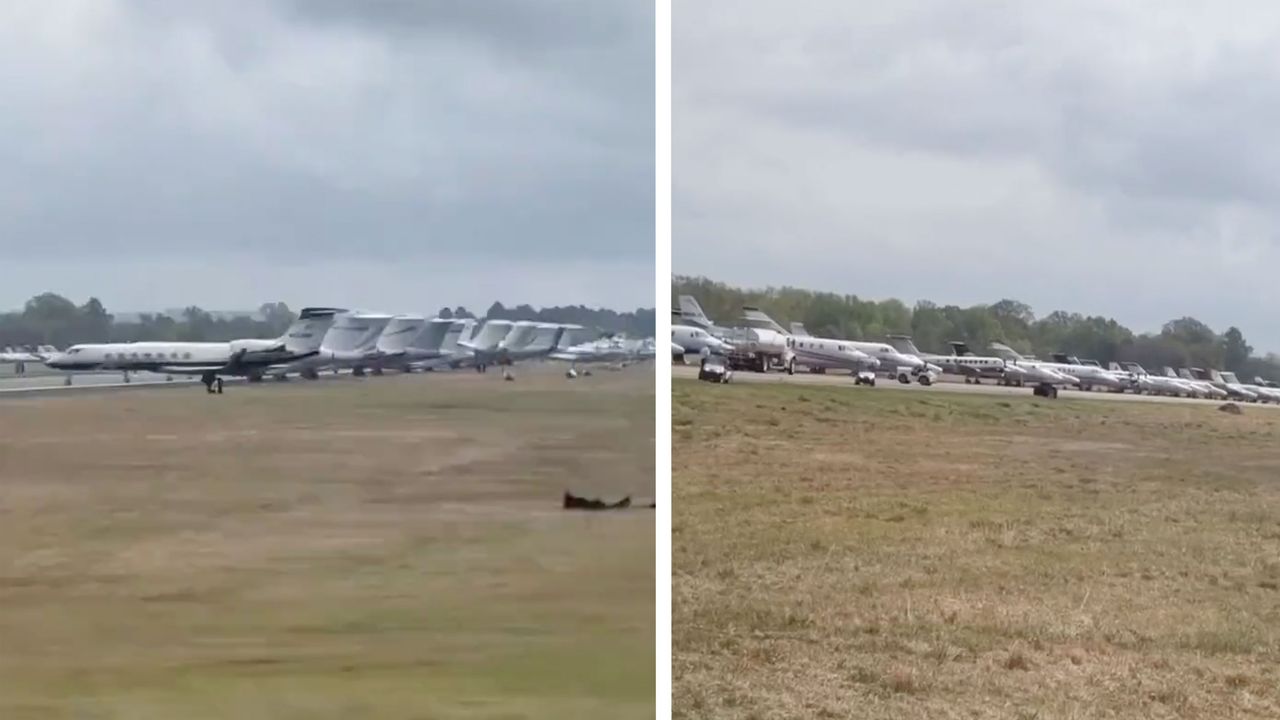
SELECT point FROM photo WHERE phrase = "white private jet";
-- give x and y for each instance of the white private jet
(1091, 374)
(696, 341)
(1152, 384)
(897, 364)
(427, 346)
(1234, 390)
(1201, 388)
(209, 360)
(1262, 393)
(962, 362)
(393, 344)
(19, 357)
(1044, 377)
(350, 342)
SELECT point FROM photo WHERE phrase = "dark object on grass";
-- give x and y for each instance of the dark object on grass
(573, 502)
(1232, 408)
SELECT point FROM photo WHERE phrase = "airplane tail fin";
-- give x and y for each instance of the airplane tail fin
(798, 329)
(306, 333)
(459, 331)
(1006, 352)
(755, 314)
(960, 348)
(434, 333)
(400, 333)
(691, 310)
(903, 344)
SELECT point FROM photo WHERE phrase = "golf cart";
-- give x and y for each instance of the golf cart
(714, 369)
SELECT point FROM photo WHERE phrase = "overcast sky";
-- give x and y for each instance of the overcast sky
(1115, 158)
(382, 154)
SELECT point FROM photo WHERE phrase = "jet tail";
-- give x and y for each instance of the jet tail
(1005, 351)
(755, 314)
(690, 310)
(960, 348)
(903, 344)
(306, 333)
(798, 329)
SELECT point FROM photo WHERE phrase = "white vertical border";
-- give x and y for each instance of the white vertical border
(662, 249)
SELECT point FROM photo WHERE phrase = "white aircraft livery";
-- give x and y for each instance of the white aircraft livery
(207, 359)
(888, 357)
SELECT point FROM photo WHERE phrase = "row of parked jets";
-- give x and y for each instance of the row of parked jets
(759, 343)
(334, 339)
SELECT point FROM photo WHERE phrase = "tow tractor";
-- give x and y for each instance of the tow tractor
(924, 375)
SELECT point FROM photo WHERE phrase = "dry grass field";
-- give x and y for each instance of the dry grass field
(843, 552)
(382, 548)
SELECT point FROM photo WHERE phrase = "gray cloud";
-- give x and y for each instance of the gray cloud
(432, 139)
(1111, 158)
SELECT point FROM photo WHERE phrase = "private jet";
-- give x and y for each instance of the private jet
(209, 360)
(897, 364)
(973, 368)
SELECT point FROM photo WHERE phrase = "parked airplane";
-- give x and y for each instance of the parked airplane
(1145, 382)
(822, 354)
(393, 344)
(697, 341)
(450, 354)
(349, 343)
(426, 345)
(209, 360)
(1233, 389)
(961, 361)
(1264, 394)
(602, 350)
(757, 341)
(483, 346)
(19, 357)
(1091, 373)
(1045, 377)
(690, 313)
(897, 364)
(1203, 388)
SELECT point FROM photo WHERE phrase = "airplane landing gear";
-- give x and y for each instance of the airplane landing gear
(211, 381)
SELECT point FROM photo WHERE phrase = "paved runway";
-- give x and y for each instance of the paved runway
(946, 384)
(53, 383)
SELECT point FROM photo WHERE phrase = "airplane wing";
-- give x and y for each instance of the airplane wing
(189, 370)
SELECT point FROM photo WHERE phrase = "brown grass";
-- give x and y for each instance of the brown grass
(391, 547)
(845, 552)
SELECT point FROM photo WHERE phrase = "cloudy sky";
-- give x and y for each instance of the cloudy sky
(1116, 158)
(383, 154)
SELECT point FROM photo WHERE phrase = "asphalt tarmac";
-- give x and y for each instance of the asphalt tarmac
(946, 384)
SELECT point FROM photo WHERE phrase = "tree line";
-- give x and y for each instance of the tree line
(1181, 342)
(51, 319)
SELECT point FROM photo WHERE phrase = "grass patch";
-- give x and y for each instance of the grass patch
(391, 547)
(883, 554)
